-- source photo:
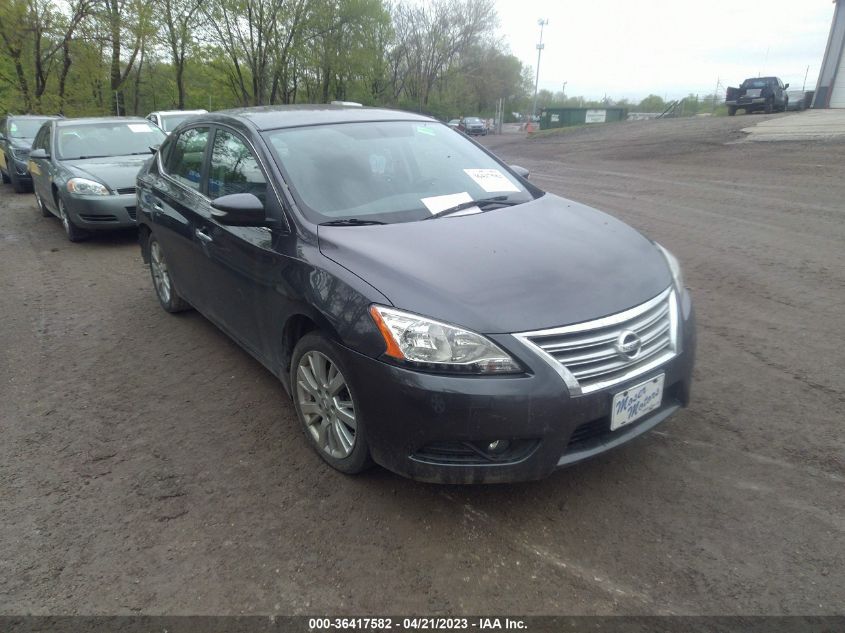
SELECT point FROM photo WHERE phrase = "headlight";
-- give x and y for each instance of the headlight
(427, 344)
(674, 266)
(85, 187)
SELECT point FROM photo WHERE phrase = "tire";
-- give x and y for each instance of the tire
(73, 232)
(169, 299)
(770, 106)
(17, 185)
(785, 105)
(326, 405)
(45, 212)
(3, 174)
(731, 111)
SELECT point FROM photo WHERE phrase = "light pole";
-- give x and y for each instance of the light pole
(541, 22)
(564, 91)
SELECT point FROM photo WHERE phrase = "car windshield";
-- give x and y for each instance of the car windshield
(472, 119)
(25, 128)
(170, 121)
(110, 138)
(395, 171)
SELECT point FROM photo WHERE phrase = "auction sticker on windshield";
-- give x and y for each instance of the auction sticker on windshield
(491, 180)
(636, 401)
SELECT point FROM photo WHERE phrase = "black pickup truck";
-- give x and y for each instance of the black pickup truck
(759, 93)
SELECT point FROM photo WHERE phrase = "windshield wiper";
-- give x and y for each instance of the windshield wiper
(350, 222)
(497, 200)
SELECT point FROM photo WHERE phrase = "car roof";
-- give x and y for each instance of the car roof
(33, 116)
(285, 116)
(101, 119)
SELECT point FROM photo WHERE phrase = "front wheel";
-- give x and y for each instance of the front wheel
(169, 299)
(326, 405)
(73, 232)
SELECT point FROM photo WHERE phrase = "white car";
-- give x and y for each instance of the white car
(169, 119)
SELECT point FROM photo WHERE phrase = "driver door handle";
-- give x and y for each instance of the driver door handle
(203, 236)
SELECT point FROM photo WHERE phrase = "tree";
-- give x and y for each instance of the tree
(181, 17)
(652, 103)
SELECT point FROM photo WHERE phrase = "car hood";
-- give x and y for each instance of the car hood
(116, 172)
(541, 264)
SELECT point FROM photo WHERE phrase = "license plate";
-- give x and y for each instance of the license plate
(636, 401)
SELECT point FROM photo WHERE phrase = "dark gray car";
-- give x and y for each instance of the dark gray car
(426, 306)
(16, 134)
(84, 170)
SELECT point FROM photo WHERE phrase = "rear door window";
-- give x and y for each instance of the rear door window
(186, 156)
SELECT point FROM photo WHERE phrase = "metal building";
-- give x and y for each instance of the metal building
(830, 91)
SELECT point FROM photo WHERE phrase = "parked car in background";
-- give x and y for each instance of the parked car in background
(473, 126)
(758, 93)
(424, 304)
(454, 124)
(798, 100)
(84, 170)
(167, 120)
(16, 135)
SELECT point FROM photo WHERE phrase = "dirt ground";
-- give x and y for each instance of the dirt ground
(148, 465)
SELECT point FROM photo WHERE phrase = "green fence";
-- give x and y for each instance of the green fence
(565, 117)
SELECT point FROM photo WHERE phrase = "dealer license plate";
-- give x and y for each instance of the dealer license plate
(636, 401)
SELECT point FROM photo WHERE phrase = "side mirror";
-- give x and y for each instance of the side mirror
(239, 209)
(520, 171)
(39, 153)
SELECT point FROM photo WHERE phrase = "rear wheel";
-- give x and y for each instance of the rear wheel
(326, 405)
(731, 111)
(73, 232)
(169, 299)
(770, 106)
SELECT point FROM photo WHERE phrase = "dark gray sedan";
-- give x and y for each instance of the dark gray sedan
(16, 134)
(84, 170)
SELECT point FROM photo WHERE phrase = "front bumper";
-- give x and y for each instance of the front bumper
(95, 213)
(21, 167)
(436, 428)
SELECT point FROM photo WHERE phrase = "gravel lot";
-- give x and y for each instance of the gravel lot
(148, 465)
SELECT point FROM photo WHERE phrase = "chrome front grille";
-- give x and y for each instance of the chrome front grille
(598, 354)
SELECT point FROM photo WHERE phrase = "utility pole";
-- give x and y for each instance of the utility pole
(715, 94)
(564, 91)
(541, 22)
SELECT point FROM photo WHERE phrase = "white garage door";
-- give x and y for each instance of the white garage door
(837, 97)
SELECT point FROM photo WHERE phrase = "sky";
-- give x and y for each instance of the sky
(630, 49)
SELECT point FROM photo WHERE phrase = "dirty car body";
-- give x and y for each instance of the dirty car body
(84, 170)
(487, 331)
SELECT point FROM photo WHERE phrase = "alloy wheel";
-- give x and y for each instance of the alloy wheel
(326, 404)
(63, 216)
(161, 276)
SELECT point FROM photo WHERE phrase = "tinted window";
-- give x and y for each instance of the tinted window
(234, 169)
(112, 138)
(42, 140)
(184, 160)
